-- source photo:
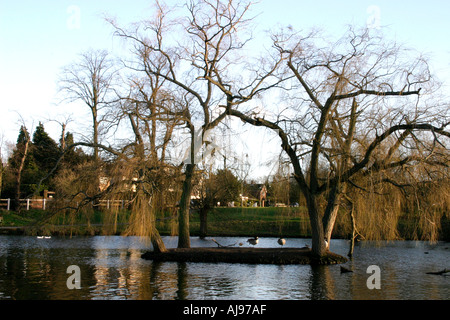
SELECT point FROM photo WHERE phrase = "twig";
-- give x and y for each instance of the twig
(439, 273)
(222, 246)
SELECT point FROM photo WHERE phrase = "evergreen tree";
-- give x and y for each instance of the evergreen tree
(224, 186)
(41, 156)
(45, 150)
(20, 170)
(73, 156)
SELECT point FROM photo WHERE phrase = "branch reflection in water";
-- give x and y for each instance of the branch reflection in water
(112, 268)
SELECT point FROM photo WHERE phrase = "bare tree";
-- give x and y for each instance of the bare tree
(136, 169)
(196, 52)
(63, 123)
(90, 80)
(353, 99)
(150, 114)
(22, 150)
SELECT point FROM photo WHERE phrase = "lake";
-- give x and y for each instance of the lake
(111, 267)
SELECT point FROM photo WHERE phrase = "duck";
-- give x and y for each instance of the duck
(253, 241)
(281, 241)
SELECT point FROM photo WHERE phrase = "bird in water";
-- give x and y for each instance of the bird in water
(253, 241)
(281, 241)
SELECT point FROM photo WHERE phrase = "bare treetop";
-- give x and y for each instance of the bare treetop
(348, 112)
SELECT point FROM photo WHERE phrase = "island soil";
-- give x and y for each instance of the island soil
(245, 255)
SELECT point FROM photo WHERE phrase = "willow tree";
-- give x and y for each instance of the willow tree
(154, 115)
(353, 108)
(198, 52)
(135, 169)
(130, 179)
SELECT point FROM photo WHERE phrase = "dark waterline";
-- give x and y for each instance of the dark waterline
(111, 268)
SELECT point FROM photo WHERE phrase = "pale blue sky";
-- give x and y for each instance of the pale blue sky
(37, 38)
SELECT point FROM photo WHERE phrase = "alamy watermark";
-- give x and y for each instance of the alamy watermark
(73, 21)
(74, 280)
(374, 19)
(374, 281)
(203, 145)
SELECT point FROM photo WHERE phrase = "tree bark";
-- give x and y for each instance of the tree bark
(329, 224)
(95, 133)
(203, 222)
(157, 242)
(318, 247)
(339, 188)
(16, 203)
(185, 204)
(331, 211)
(352, 240)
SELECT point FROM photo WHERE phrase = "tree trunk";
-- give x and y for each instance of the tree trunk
(318, 244)
(96, 202)
(330, 214)
(95, 133)
(329, 224)
(185, 204)
(157, 242)
(203, 222)
(352, 240)
(16, 203)
(1, 173)
(331, 211)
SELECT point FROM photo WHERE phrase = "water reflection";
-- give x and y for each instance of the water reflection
(321, 284)
(112, 268)
(118, 271)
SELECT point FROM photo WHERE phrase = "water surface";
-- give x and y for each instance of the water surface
(111, 268)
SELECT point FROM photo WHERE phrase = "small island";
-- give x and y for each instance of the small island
(278, 256)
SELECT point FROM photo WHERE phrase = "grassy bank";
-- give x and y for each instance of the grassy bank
(78, 224)
(262, 222)
(286, 222)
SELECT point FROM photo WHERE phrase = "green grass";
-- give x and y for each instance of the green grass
(267, 222)
(75, 223)
(286, 222)
(13, 219)
(252, 214)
